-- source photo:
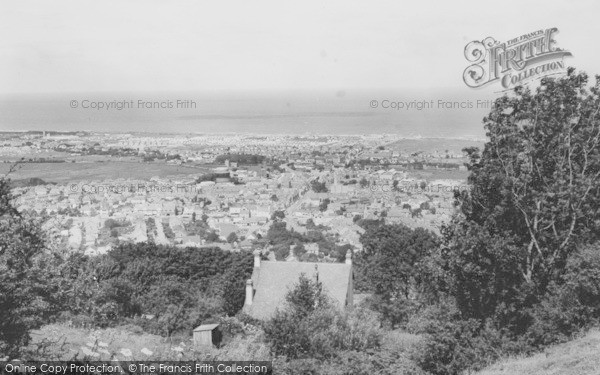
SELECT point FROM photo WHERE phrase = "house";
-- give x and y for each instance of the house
(271, 281)
(207, 335)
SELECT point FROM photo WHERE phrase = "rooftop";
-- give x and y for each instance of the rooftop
(273, 280)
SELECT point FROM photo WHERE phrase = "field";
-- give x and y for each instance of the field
(432, 144)
(577, 357)
(75, 172)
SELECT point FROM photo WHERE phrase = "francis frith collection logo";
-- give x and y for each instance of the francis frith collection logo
(514, 62)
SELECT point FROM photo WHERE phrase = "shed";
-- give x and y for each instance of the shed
(207, 335)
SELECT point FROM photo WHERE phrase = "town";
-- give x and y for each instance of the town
(229, 190)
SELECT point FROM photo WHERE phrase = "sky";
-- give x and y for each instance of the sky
(65, 46)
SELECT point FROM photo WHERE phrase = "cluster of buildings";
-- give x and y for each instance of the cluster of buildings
(238, 206)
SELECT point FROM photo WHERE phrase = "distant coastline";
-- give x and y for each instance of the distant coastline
(278, 113)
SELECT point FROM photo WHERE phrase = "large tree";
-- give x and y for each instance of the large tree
(537, 180)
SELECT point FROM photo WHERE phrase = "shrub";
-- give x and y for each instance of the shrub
(571, 306)
(452, 344)
(244, 348)
(394, 313)
(27, 275)
(311, 327)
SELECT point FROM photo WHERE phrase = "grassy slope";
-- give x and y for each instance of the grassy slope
(577, 357)
(58, 341)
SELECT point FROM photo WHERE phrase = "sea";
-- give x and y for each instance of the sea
(412, 114)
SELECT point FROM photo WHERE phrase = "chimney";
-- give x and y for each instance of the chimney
(349, 257)
(249, 293)
(257, 259)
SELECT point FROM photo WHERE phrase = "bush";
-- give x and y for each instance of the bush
(571, 306)
(311, 327)
(452, 344)
(28, 285)
(234, 295)
(394, 313)
(180, 287)
(482, 274)
(390, 359)
(392, 267)
(281, 251)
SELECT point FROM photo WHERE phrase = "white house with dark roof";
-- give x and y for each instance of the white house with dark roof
(272, 280)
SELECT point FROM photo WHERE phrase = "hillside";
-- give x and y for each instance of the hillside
(60, 341)
(577, 357)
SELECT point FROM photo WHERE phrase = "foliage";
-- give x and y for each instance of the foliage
(452, 344)
(112, 224)
(311, 327)
(29, 287)
(572, 305)
(278, 215)
(391, 266)
(481, 272)
(299, 250)
(324, 204)
(212, 177)
(318, 187)
(242, 159)
(234, 293)
(232, 237)
(537, 179)
(283, 240)
(368, 223)
(180, 288)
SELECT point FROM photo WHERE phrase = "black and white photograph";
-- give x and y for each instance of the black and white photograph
(317, 187)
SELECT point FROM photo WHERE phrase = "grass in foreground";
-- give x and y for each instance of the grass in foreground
(577, 357)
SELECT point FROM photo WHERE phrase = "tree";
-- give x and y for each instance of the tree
(538, 176)
(392, 266)
(482, 273)
(324, 204)
(571, 305)
(318, 187)
(283, 330)
(309, 326)
(212, 237)
(25, 277)
(281, 251)
(233, 296)
(232, 237)
(279, 235)
(299, 250)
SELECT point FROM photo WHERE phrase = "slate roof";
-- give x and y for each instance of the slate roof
(206, 327)
(272, 281)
